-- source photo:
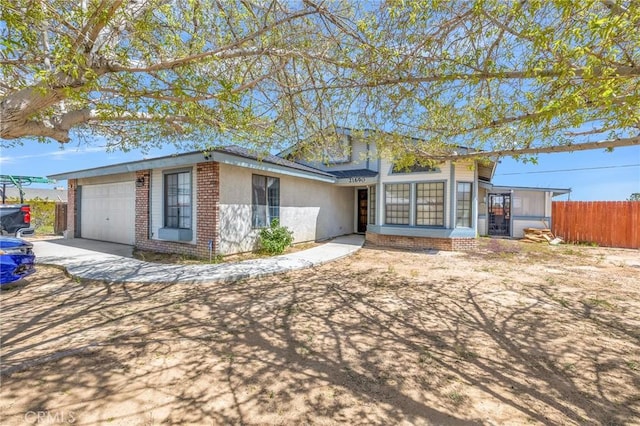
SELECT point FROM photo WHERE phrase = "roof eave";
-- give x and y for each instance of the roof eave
(182, 160)
(555, 191)
(133, 166)
(239, 161)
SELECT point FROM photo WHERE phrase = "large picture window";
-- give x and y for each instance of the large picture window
(463, 205)
(430, 204)
(177, 200)
(265, 200)
(396, 203)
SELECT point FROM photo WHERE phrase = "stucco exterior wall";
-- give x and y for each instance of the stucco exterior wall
(528, 203)
(518, 225)
(312, 210)
(529, 210)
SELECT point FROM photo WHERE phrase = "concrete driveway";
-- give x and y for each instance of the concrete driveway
(97, 260)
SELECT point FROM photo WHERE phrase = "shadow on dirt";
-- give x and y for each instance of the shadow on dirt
(322, 345)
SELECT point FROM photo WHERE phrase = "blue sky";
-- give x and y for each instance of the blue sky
(591, 175)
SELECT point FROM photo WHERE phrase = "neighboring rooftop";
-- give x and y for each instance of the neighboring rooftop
(33, 193)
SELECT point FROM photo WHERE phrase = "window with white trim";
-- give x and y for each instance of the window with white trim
(177, 200)
(265, 200)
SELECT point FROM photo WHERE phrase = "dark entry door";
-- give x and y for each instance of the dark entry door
(362, 210)
(499, 214)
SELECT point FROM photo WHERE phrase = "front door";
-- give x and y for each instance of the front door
(499, 214)
(362, 210)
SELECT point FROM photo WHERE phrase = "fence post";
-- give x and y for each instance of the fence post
(60, 221)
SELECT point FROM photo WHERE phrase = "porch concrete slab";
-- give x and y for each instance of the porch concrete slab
(93, 261)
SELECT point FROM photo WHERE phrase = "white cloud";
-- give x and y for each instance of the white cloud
(59, 154)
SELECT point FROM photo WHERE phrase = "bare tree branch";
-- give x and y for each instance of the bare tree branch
(58, 128)
(585, 146)
(614, 7)
(229, 51)
(472, 73)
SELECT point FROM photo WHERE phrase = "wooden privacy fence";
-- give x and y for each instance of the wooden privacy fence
(606, 223)
(60, 221)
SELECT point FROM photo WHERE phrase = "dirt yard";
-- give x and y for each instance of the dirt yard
(513, 334)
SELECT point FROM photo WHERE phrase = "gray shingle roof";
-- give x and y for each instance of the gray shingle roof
(191, 158)
(268, 158)
(342, 174)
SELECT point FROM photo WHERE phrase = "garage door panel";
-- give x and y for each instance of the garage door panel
(108, 212)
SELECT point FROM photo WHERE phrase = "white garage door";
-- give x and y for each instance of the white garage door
(107, 212)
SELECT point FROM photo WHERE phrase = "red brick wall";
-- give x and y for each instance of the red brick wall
(207, 201)
(421, 243)
(142, 204)
(208, 207)
(464, 244)
(72, 207)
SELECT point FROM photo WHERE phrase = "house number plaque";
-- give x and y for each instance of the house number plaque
(357, 180)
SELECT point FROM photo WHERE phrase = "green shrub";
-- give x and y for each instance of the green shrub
(275, 239)
(43, 214)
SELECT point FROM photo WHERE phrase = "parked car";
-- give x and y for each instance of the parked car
(17, 259)
(15, 219)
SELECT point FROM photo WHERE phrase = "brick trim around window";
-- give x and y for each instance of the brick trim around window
(207, 199)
